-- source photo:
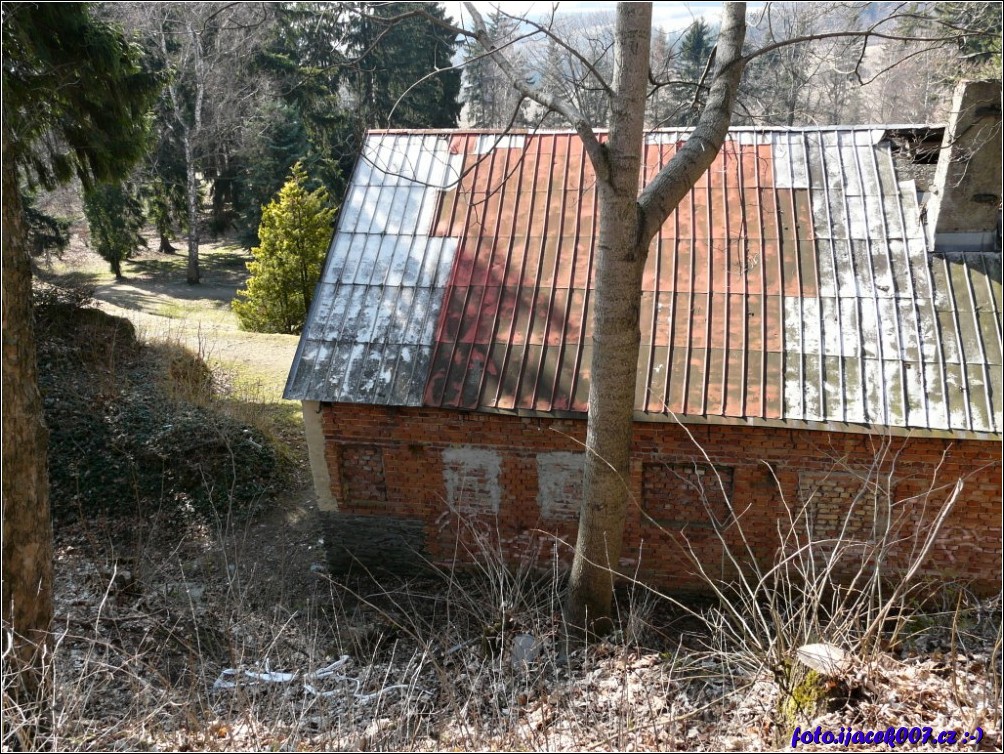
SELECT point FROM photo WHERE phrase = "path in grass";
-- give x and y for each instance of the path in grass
(156, 298)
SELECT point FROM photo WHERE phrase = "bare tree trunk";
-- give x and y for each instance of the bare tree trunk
(192, 194)
(27, 531)
(616, 335)
(628, 222)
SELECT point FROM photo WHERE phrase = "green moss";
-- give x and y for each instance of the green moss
(805, 694)
(805, 698)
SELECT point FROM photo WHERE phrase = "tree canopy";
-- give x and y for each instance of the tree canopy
(76, 94)
(115, 218)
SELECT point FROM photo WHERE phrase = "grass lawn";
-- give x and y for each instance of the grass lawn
(162, 306)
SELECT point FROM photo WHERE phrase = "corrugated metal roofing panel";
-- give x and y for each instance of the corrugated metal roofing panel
(372, 323)
(792, 283)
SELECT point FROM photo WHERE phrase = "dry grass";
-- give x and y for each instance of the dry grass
(153, 625)
(153, 628)
(227, 637)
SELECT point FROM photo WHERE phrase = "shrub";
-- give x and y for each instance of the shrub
(294, 233)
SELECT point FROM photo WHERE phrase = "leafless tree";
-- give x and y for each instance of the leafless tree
(800, 84)
(211, 93)
(628, 222)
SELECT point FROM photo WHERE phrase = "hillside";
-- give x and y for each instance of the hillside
(194, 609)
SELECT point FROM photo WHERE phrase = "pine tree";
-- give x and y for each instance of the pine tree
(395, 81)
(695, 49)
(295, 231)
(115, 219)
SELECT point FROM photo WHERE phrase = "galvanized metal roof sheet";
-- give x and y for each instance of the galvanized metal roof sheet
(370, 331)
(793, 284)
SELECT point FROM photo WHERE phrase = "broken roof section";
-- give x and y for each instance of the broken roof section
(792, 286)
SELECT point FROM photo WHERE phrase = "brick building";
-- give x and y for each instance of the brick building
(814, 358)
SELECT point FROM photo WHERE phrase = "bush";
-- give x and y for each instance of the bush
(295, 231)
(135, 427)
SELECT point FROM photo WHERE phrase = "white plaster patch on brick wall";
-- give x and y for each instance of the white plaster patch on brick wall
(559, 485)
(471, 477)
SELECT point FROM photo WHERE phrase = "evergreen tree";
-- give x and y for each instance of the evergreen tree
(164, 181)
(115, 217)
(166, 202)
(394, 79)
(695, 49)
(306, 67)
(75, 99)
(981, 53)
(46, 233)
(295, 231)
(283, 142)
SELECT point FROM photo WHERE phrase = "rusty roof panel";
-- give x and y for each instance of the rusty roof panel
(792, 283)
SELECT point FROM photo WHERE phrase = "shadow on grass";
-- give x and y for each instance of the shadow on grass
(86, 279)
(223, 271)
(156, 283)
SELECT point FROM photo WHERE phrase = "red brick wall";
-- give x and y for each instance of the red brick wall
(474, 481)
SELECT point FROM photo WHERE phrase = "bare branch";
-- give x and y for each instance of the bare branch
(865, 34)
(582, 127)
(704, 76)
(589, 66)
(674, 181)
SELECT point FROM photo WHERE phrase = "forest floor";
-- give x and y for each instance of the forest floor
(229, 634)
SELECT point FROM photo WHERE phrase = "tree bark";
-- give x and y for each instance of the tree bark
(628, 222)
(616, 333)
(27, 531)
(192, 195)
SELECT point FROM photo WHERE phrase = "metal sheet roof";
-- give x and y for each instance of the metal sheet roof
(793, 284)
(371, 327)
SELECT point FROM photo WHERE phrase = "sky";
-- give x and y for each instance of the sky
(669, 16)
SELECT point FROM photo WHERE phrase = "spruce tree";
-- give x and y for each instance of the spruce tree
(115, 219)
(695, 49)
(295, 231)
(404, 77)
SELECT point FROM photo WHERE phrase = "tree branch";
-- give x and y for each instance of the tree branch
(589, 66)
(592, 146)
(672, 183)
(866, 34)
